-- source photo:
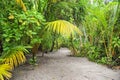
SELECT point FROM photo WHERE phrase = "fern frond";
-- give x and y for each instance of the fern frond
(62, 27)
(4, 71)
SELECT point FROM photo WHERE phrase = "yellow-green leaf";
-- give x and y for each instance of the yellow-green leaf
(62, 27)
(4, 71)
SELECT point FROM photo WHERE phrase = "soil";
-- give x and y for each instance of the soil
(59, 66)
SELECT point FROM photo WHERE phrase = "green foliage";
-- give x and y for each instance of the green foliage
(33, 61)
(42, 5)
(46, 42)
(93, 53)
(17, 28)
(21, 28)
(72, 11)
(116, 42)
(99, 26)
(103, 60)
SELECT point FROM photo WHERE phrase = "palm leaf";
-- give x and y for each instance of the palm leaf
(4, 71)
(62, 27)
(20, 2)
(15, 56)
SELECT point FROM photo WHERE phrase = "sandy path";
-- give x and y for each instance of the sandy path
(58, 66)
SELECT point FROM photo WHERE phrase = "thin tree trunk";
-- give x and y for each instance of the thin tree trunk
(53, 43)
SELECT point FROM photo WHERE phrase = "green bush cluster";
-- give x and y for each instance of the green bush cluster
(101, 42)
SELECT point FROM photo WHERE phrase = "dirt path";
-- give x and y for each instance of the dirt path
(58, 66)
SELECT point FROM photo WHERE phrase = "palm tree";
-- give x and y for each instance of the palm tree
(12, 58)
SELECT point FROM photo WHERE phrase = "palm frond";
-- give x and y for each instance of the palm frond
(62, 27)
(21, 3)
(15, 56)
(4, 71)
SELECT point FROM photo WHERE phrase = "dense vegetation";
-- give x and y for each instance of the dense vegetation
(47, 25)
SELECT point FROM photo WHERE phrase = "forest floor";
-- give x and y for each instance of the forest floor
(59, 66)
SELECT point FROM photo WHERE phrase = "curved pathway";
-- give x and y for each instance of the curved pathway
(58, 66)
